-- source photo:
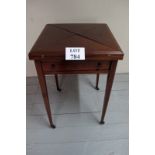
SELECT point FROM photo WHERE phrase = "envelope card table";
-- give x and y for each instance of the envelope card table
(102, 53)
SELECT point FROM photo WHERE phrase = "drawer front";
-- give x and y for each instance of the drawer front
(75, 66)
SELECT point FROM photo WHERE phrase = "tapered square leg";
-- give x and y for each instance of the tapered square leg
(43, 87)
(110, 79)
(57, 82)
(97, 81)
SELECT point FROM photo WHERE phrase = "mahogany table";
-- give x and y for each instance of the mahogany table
(102, 53)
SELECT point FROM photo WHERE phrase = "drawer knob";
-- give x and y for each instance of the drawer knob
(98, 64)
(42, 56)
(53, 65)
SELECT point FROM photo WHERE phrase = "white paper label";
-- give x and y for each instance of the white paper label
(75, 53)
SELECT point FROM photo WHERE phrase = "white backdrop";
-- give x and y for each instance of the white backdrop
(112, 12)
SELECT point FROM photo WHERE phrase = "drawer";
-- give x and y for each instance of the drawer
(75, 66)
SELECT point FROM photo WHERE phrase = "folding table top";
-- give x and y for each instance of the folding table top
(97, 39)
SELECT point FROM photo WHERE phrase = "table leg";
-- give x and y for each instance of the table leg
(109, 83)
(57, 82)
(97, 81)
(43, 86)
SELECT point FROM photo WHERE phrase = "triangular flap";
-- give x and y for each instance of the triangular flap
(78, 41)
(99, 33)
